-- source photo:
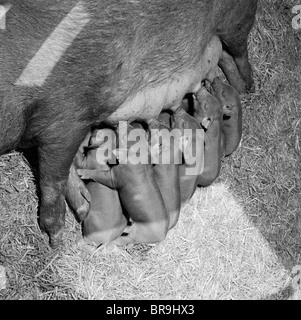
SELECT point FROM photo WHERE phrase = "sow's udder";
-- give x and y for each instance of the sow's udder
(147, 103)
(150, 101)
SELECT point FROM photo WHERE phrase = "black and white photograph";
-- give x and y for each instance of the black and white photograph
(150, 150)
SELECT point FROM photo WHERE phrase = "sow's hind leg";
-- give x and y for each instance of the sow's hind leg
(229, 67)
(57, 148)
(238, 71)
(233, 33)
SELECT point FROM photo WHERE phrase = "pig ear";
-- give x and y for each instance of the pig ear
(223, 93)
(98, 137)
(178, 123)
(79, 159)
(206, 122)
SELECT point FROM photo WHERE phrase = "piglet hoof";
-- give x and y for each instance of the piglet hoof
(251, 87)
(248, 88)
(56, 240)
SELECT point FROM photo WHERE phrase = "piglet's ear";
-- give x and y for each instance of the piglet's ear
(206, 123)
(79, 160)
(99, 137)
(178, 123)
(200, 94)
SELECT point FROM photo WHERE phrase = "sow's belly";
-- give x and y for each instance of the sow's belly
(150, 101)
